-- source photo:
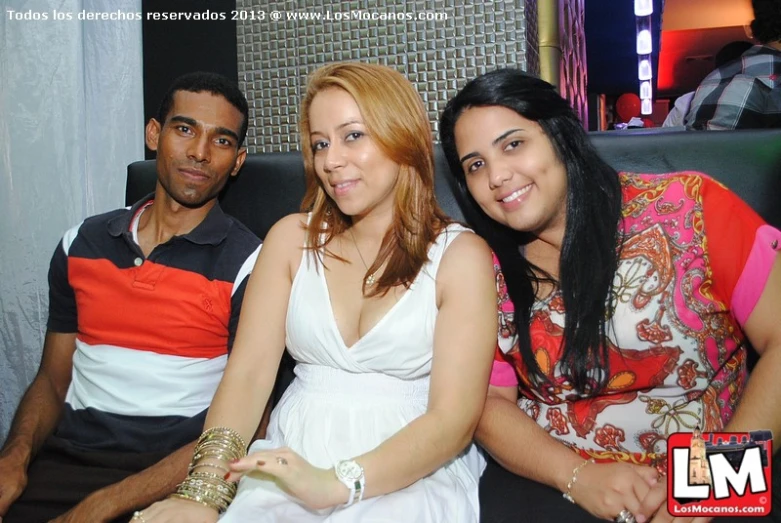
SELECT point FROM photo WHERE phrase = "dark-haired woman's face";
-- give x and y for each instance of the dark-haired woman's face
(512, 170)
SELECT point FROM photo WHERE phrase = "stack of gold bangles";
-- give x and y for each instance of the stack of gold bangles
(215, 448)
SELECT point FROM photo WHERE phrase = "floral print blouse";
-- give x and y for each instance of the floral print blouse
(693, 263)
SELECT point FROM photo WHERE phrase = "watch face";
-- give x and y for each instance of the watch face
(349, 470)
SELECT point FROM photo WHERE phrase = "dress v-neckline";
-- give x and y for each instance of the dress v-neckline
(376, 326)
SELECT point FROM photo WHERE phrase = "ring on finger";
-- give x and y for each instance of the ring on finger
(281, 461)
(139, 515)
(625, 516)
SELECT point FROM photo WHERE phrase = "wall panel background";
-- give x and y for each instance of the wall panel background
(438, 49)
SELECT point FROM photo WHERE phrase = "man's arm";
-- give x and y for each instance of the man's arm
(36, 416)
(141, 489)
(133, 492)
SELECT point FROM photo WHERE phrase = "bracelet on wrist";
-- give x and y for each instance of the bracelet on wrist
(213, 451)
(568, 494)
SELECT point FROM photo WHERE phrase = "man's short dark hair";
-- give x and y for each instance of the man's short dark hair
(213, 83)
(766, 25)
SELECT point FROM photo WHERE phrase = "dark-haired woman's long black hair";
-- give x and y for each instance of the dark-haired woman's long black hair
(589, 253)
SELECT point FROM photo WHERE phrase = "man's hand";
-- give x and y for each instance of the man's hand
(93, 509)
(13, 480)
(36, 416)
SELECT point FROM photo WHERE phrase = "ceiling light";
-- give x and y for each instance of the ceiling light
(645, 90)
(644, 70)
(644, 7)
(644, 44)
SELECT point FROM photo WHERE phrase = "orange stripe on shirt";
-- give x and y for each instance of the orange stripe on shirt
(152, 307)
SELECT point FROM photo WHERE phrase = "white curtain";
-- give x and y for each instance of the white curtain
(71, 119)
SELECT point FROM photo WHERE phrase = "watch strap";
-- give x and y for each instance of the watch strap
(356, 487)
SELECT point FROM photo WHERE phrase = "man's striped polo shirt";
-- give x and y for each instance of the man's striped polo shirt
(153, 333)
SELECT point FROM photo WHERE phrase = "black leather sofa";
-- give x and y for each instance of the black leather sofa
(271, 185)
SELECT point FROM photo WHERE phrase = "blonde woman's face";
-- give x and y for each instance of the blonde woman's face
(353, 170)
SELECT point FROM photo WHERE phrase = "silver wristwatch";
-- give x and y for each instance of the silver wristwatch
(350, 473)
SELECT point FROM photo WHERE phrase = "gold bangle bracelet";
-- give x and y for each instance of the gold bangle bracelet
(215, 448)
(187, 497)
(207, 464)
(226, 433)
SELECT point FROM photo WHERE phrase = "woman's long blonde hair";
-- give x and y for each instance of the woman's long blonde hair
(397, 122)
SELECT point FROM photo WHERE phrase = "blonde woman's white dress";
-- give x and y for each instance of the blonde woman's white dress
(346, 401)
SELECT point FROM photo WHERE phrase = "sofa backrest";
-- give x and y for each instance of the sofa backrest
(271, 185)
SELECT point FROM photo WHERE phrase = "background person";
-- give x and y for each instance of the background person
(745, 94)
(728, 53)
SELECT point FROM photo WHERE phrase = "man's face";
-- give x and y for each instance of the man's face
(197, 147)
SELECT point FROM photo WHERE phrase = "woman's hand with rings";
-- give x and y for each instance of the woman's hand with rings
(317, 488)
(607, 490)
(655, 504)
(175, 511)
(625, 517)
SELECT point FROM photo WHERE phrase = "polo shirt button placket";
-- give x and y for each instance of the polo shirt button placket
(147, 273)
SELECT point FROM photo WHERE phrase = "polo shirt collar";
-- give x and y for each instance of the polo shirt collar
(211, 231)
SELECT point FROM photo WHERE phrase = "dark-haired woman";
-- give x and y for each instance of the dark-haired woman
(661, 279)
